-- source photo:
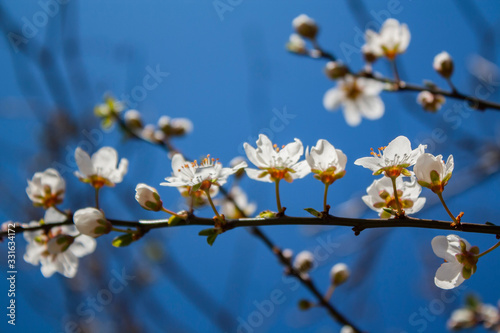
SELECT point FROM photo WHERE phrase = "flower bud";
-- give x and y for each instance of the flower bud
(461, 319)
(133, 119)
(335, 70)
(339, 274)
(287, 254)
(296, 44)
(304, 304)
(347, 329)
(60, 243)
(429, 101)
(304, 262)
(148, 197)
(148, 132)
(368, 54)
(91, 222)
(175, 127)
(443, 64)
(305, 26)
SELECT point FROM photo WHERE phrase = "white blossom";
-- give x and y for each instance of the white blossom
(304, 262)
(66, 262)
(443, 64)
(91, 222)
(101, 169)
(296, 44)
(133, 119)
(381, 195)
(432, 172)
(460, 260)
(347, 329)
(275, 164)
(429, 101)
(174, 126)
(208, 172)
(393, 39)
(339, 274)
(46, 188)
(461, 318)
(393, 159)
(326, 162)
(238, 196)
(148, 197)
(358, 97)
(305, 26)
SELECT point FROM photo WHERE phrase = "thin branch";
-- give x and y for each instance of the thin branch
(475, 103)
(357, 224)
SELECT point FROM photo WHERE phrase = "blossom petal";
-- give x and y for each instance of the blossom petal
(302, 169)
(105, 159)
(333, 99)
(351, 114)
(255, 173)
(84, 162)
(449, 275)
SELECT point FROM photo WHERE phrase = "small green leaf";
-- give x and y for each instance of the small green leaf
(122, 240)
(267, 214)
(206, 232)
(174, 220)
(472, 301)
(489, 223)
(211, 239)
(313, 212)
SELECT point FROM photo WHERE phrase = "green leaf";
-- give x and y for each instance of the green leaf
(211, 239)
(174, 220)
(313, 212)
(122, 240)
(267, 214)
(206, 232)
(489, 223)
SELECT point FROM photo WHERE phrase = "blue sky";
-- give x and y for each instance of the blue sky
(231, 75)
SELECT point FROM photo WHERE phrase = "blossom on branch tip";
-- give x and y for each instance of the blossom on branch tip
(393, 39)
(305, 26)
(460, 260)
(359, 97)
(304, 262)
(101, 169)
(133, 119)
(238, 196)
(46, 189)
(174, 126)
(429, 101)
(296, 44)
(56, 257)
(275, 164)
(393, 159)
(91, 222)
(199, 176)
(347, 329)
(443, 64)
(381, 195)
(339, 274)
(148, 197)
(326, 162)
(336, 70)
(432, 172)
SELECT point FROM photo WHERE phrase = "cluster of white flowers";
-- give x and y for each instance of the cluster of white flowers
(475, 314)
(58, 248)
(358, 93)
